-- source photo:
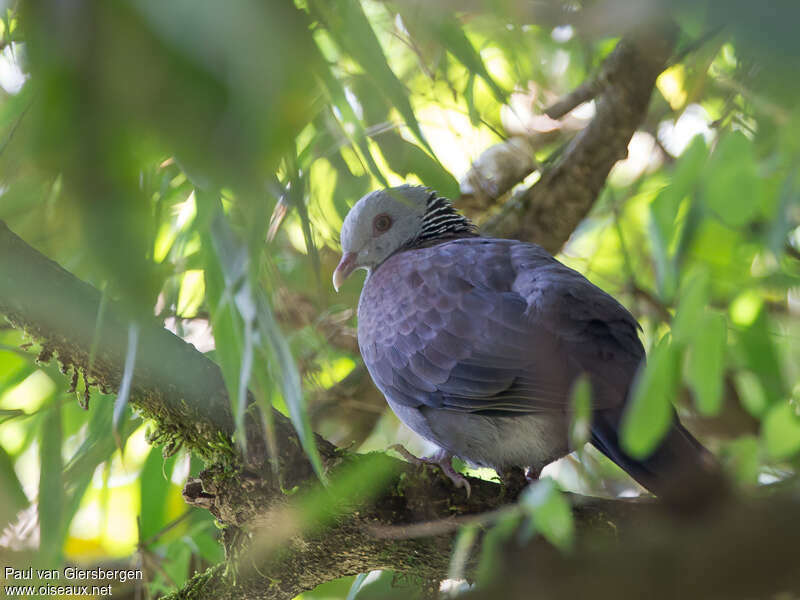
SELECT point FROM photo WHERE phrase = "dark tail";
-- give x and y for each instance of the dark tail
(680, 470)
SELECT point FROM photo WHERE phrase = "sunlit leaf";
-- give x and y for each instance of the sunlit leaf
(351, 29)
(359, 136)
(98, 447)
(451, 34)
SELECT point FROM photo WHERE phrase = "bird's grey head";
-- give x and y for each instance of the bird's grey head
(385, 221)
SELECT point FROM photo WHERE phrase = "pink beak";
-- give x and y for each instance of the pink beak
(344, 268)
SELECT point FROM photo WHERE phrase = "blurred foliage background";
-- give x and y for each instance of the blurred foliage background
(144, 146)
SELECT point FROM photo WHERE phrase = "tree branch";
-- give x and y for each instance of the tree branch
(548, 212)
(174, 384)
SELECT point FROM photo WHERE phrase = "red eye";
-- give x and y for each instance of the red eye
(382, 223)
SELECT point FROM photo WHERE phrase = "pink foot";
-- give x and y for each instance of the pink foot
(442, 459)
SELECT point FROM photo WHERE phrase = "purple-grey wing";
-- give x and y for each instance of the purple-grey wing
(485, 325)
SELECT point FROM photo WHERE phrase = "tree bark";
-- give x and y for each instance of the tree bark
(548, 212)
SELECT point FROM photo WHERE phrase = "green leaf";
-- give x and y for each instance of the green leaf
(121, 401)
(581, 410)
(665, 227)
(352, 31)
(733, 188)
(228, 293)
(649, 413)
(758, 352)
(551, 514)
(51, 487)
(694, 298)
(742, 458)
(154, 487)
(462, 548)
(356, 586)
(450, 33)
(98, 447)
(12, 496)
(244, 326)
(492, 547)
(406, 158)
(781, 431)
(706, 363)
(291, 387)
(204, 536)
(354, 485)
(359, 136)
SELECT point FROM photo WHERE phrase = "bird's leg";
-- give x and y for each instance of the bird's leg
(442, 458)
(532, 474)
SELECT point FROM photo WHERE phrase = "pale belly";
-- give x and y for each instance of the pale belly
(530, 440)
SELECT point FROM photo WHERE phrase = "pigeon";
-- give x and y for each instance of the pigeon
(477, 342)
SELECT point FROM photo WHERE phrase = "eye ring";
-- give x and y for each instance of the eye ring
(382, 223)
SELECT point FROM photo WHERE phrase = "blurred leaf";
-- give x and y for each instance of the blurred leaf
(649, 413)
(290, 383)
(691, 311)
(751, 393)
(742, 458)
(228, 292)
(550, 513)
(781, 431)
(406, 158)
(706, 363)
(155, 483)
(51, 487)
(354, 485)
(581, 411)
(121, 401)
(462, 549)
(387, 586)
(492, 547)
(348, 25)
(758, 353)
(177, 567)
(449, 32)
(732, 186)
(204, 536)
(244, 324)
(97, 447)
(356, 586)
(469, 96)
(12, 496)
(665, 226)
(359, 137)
